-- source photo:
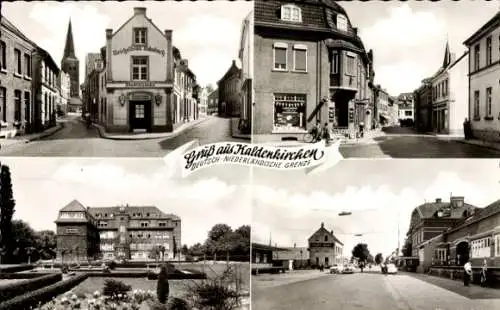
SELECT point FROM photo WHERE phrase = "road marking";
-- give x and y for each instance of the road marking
(398, 298)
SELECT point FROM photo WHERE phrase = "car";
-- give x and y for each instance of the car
(336, 268)
(391, 269)
(348, 269)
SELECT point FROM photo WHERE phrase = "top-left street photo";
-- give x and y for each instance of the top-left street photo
(122, 79)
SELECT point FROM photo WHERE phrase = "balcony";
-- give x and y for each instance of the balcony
(335, 80)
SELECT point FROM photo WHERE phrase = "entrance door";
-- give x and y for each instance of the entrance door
(326, 261)
(140, 115)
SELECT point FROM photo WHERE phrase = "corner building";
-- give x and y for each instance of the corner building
(139, 76)
(310, 65)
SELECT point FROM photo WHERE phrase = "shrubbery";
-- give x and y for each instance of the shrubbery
(115, 289)
(15, 289)
(162, 287)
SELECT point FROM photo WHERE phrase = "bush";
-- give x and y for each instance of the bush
(162, 286)
(113, 288)
(172, 304)
(64, 268)
(17, 268)
(111, 265)
(214, 295)
(9, 291)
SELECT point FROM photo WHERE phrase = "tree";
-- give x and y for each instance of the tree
(370, 259)
(185, 250)
(406, 250)
(162, 286)
(218, 231)
(25, 243)
(7, 206)
(379, 258)
(361, 252)
(244, 231)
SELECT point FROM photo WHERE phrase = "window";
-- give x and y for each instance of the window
(140, 68)
(300, 57)
(139, 111)
(488, 51)
(350, 65)
(477, 50)
(481, 248)
(27, 64)
(326, 238)
(441, 255)
(488, 101)
(3, 55)
(3, 103)
(289, 112)
(476, 104)
(341, 22)
(280, 56)
(140, 35)
(122, 229)
(17, 55)
(17, 105)
(497, 245)
(291, 13)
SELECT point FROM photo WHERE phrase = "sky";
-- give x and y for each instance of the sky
(409, 38)
(197, 28)
(210, 196)
(288, 207)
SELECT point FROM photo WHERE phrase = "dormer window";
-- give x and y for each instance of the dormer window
(341, 22)
(140, 35)
(291, 13)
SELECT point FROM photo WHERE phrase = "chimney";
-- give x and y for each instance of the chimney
(322, 225)
(109, 33)
(140, 11)
(331, 232)
(439, 200)
(457, 201)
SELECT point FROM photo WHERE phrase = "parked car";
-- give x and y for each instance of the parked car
(348, 269)
(391, 269)
(336, 268)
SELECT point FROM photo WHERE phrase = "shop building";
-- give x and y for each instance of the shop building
(245, 56)
(229, 87)
(16, 77)
(123, 232)
(213, 102)
(423, 106)
(484, 80)
(139, 77)
(449, 90)
(324, 248)
(310, 66)
(185, 104)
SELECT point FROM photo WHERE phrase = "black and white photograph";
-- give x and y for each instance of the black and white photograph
(404, 234)
(121, 79)
(81, 233)
(388, 79)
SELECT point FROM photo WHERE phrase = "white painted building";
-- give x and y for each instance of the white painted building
(64, 93)
(203, 104)
(247, 68)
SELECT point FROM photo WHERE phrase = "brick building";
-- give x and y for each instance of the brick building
(124, 232)
(324, 248)
(430, 220)
(229, 87)
(423, 106)
(213, 102)
(16, 93)
(310, 65)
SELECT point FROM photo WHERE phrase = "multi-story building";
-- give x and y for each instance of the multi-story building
(123, 232)
(16, 93)
(103, 103)
(406, 109)
(64, 95)
(139, 77)
(203, 104)
(185, 105)
(213, 102)
(384, 104)
(324, 248)
(423, 106)
(484, 84)
(93, 84)
(245, 56)
(449, 94)
(229, 87)
(71, 65)
(430, 220)
(310, 66)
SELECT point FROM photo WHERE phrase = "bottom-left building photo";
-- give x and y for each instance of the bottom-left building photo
(87, 233)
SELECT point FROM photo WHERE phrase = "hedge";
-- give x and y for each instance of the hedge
(43, 295)
(179, 276)
(24, 275)
(18, 288)
(16, 268)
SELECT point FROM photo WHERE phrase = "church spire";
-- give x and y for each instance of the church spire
(69, 48)
(447, 55)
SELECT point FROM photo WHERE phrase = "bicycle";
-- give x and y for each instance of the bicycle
(311, 136)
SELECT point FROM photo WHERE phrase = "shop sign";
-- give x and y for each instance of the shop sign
(351, 115)
(143, 48)
(140, 84)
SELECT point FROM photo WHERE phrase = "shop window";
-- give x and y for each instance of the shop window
(300, 57)
(280, 56)
(3, 55)
(140, 35)
(341, 22)
(140, 66)
(291, 13)
(289, 112)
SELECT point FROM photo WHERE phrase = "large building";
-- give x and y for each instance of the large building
(64, 94)
(16, 74)
(449, 93)
(213, 102)
(229, 87)
(484, 81)
(384, 104)
(203, 104)
(324, 248)
(246, 79)
(123, 232)
(71, 65)
(310, 66)
(406, 109)
(423, 106)
(185, 105)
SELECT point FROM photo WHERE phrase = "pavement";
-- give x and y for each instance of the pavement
(235, 132)
(74, 139)
(368, 291)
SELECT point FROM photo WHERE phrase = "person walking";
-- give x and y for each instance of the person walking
(467, 273)
(484, 271)
(325, 133)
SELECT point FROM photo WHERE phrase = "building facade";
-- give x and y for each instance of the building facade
(324, 248)
(139, 77)
(16, 75)
(484, 81)
(203, 104)
(384, 105)
(292, 257)
(310, 66)
(245, 56)
(64, 95)
(124, 232)
(229, 87)
(423, 106)
(94, 96)
(406, 109)
(213, 102)
(71, 65)
(185, 105)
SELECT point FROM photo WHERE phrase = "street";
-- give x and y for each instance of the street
(76, 140)
(369, 290)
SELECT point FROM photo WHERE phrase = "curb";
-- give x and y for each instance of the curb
(59, 126)
(494, 148)
(173, 134)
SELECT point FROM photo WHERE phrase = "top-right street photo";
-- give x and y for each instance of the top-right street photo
(381, 79)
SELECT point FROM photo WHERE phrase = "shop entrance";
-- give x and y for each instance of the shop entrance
(140, 115)
(462, 253)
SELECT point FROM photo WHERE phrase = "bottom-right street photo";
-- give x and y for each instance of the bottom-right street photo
(378, 234)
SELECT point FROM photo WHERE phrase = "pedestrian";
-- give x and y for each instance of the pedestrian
(484, 271)
(467, 272)
(326, 133)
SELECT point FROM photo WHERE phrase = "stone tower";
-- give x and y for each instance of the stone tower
(70, 64)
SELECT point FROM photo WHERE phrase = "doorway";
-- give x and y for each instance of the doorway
(462, 253)
(140, 115)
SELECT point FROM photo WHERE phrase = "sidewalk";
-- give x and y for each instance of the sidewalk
(31, 137)
(235, 132)
(272, 280)
(148, 136)
(486, 144)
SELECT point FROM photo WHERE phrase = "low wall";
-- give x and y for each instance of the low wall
(457, 273)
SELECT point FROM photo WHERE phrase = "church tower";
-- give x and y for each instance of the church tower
(70, 64)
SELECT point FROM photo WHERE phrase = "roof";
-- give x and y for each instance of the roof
(133, 209)
(7, 24)
(494, 21)
(263, 247)
(292, 253)
(132, 17)
(74, 206)
(330, 233)
(429, 209)
(232, 71)
(480, 214)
